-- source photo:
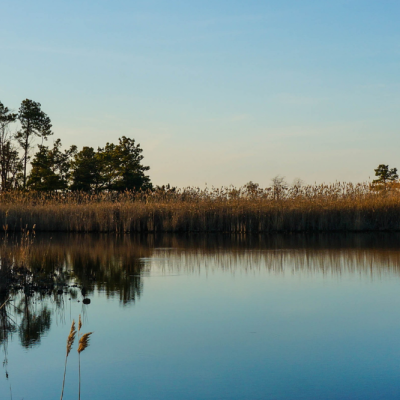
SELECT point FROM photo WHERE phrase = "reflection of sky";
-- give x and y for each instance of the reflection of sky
(231, 90)
(226, 334)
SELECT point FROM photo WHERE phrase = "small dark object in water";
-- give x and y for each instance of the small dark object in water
(59, 291)
(86, 301)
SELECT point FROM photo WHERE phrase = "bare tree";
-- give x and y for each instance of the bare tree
(8, 154)
(279, 185)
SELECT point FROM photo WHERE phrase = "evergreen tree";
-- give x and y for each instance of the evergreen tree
(11, 167)
(130, 173)
(107, 166)
(61, 161)
(114, 167)
(34, 122)
(85, 173)
(42, 177)
(50, 168)
(385, 174)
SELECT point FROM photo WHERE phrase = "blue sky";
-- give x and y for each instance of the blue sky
(217, 92)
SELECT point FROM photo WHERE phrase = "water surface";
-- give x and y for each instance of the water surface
(208, 317)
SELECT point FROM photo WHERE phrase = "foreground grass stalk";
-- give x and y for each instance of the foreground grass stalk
(83, 343)
(70, 342)
(79, 354)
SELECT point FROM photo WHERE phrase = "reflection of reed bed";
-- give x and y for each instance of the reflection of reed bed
(114, 263)
(365, 262)
(337, 207)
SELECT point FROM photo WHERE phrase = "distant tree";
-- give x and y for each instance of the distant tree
(9, 160)
(50, 168)
(42, 177)
(11, 167)
(34, 122)
(62, 160)
(113, 168)
(385, 175)
(85, 168)
(121, 168)
(279, 185)
(107, 164)
(130, 171)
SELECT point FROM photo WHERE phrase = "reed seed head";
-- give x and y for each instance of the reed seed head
(79, 323)
(71, 338)
(84, 342)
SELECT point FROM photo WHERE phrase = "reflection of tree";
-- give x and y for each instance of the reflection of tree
(112, 276)
(33, 324)
(74, 266)
(7, 326)
(110, 264)
(33, 272)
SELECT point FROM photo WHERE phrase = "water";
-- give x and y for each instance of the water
(211, 317)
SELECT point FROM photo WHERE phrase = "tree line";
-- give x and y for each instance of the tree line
(114, 167)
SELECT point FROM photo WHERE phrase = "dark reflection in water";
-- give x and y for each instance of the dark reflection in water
(264, 327)
(41, 275)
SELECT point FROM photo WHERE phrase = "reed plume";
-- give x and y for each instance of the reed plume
(83, 343)
(70, 342)
(249, 209)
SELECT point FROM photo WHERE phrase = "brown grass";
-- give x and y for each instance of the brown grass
(70, 342)
(84, 342)
(336, 207)
(71, 337)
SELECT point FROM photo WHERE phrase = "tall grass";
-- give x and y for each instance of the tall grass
(70, 342)
(336, 207)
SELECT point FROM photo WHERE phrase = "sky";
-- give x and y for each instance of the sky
(216, 92)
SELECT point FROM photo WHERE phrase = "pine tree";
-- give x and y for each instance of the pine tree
(130, 171)
(85, 173)
(34, 122)
(42, 176)
(385, 174)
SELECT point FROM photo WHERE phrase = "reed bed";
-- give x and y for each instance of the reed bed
(250, 209)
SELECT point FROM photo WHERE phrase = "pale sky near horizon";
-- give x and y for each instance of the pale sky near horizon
(218, 92)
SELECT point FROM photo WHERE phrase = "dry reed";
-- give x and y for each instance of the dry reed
(70, 342)
(336, 207)
(84, 342)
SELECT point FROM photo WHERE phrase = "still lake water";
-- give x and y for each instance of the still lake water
(211, 317)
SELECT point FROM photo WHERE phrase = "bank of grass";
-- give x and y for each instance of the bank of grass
(336, 207)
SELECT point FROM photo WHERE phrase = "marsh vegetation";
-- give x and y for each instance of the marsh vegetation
(250, 209)
(107, 190)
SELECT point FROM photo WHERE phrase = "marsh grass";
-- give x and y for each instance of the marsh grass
(70, 342)
(83, 343)
(250, 209)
